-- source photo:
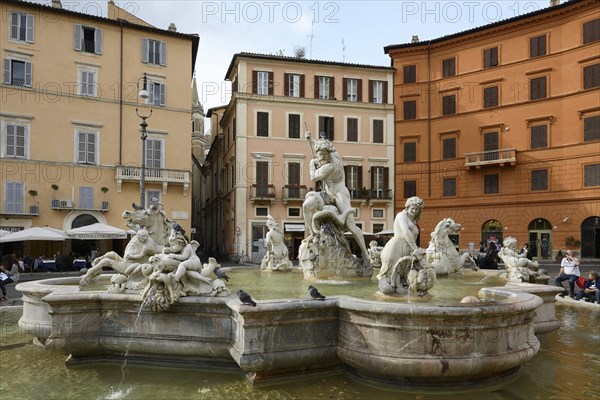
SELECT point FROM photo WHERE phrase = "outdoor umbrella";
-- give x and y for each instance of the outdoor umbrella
(45, 233)
(4, 233)
(97, 231)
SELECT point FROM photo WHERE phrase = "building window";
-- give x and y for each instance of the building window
(262, 178)
(410, 189)
(449, 104)
(323, 87)
(378, 227)
(87, 148)
(380, 177)
(537, 46)
(449, 189)
(293, 212)
(326, 125)
(378, 213)
(157, 94)
(293, 84)
(449, 67)
(351, 87)
(591, 175)
(352, 129)
(88, 40)
(591, 128)
(22, 27)
(17, 73)
(410, 73)
(154, 52)
(262, 83)
(13, 197)
(154, 153)
(294, 126)
(15, 141)
(591, 31)
(490, 97)
(88, 82)
(491, 184)
(410, 152)
(449, 148)
(539, 136)
(491, 144)
(591, 76)
(490, 57)
(86, 197)
(354, 180)
(262, 211)
(410, 109)
(377, 131)
(537, 88)
(293, 180)
(378, 91)
(262, 124)
(539, 179)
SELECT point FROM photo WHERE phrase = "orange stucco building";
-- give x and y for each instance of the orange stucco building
(498, 127)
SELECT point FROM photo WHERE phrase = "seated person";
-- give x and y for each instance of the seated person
(569, 271)
(490, 259)
(591, 289)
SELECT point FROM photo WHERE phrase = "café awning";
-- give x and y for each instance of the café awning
(97, 231)
(36, 233)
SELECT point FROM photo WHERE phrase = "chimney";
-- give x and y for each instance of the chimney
(415, 39)
(172, 27)
(554, 3)
(56, 4)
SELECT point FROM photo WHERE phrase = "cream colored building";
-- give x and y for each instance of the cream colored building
(499, 128)
(70, 133)
(260, 136)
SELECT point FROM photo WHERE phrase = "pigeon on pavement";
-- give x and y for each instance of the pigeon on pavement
(245, 298)
(314, 293)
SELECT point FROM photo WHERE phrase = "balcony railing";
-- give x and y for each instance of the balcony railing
(154, 175)
(294, 192)
(359, 194)
(381, 194)
(262, 192)
(20, 210)
(58, 204)
(492, 157)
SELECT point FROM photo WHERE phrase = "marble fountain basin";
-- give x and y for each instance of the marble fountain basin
(408, 344)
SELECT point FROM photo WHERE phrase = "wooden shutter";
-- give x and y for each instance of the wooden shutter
(14, 25)
(163, 53)
(346, 175)
(332, 95)
(370, 91)
(360, 178)
(162, 93)
(386, 178)
(254, 82)
(77, 34)
(385, 93)
(7, 71)
(29, 36)
(302, 93)
(270, 83)
(28, 74)
(344, 89)
(145, 50)
(286, 85)
(316, 87)
(359, 90)
(98, 41)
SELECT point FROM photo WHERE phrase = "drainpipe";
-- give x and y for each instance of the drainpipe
(121, 99)
(429, 117)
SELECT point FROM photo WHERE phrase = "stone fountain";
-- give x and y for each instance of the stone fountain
(163, 305)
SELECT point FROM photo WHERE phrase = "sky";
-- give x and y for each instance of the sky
(353, 31)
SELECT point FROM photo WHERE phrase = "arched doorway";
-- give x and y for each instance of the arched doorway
(540, 238)
(83, 248)
(492, 231)
(590, 237)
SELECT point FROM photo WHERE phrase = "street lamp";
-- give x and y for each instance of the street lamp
(144, 95)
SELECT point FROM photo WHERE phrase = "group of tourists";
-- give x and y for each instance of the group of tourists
(569, 271)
